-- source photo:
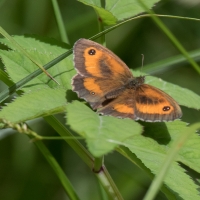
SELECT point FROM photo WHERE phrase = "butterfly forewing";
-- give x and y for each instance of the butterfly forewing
(92, 59)
(99, 72)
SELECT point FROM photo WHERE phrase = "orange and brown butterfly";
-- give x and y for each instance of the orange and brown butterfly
(108, 85)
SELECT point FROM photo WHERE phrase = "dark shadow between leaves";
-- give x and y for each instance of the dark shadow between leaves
(192, 173)
(71, 96)
(157, 131)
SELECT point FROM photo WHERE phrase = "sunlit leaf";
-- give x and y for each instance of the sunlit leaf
(35, 104)
(117, 10)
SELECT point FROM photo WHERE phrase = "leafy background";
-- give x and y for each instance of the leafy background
(23, 170)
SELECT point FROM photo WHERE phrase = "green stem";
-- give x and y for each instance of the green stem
(98, 163)
(75, 144)
(169, 62)
(60, 22)
(108, 184)
(171, 36)
(59, 172)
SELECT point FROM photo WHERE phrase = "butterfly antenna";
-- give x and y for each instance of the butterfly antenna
(142, 62)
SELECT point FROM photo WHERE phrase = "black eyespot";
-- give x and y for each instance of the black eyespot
(92, 93)
(166, 108)
(113, 108)
(92, 52)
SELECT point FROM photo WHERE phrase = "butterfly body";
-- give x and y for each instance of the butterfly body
(108, 85)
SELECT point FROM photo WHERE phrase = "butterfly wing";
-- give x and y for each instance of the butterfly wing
(99, 72)
(122, 106)
(152, 104)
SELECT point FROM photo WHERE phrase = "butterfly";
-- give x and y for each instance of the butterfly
(108, 85)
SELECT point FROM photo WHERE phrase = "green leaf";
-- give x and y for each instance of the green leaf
(98, 130)
(190, 154)
(118, 10)
(18, 66)
(153, 154)
(107, 17)
(125, 9)
(38, 103)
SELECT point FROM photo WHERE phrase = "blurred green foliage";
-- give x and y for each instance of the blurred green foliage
(24, 173)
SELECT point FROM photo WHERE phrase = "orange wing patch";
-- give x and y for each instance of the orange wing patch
(150, 91)
(122, 108)
(90, 85)
(97, 63)
(92, 61)
(117, 68)
(155, 109)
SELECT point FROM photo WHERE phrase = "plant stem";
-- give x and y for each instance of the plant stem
(60, 22)
(169, 34)
(98, 163)
(59, 172)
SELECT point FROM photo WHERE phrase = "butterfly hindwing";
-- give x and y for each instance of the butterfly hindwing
(152, 104)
